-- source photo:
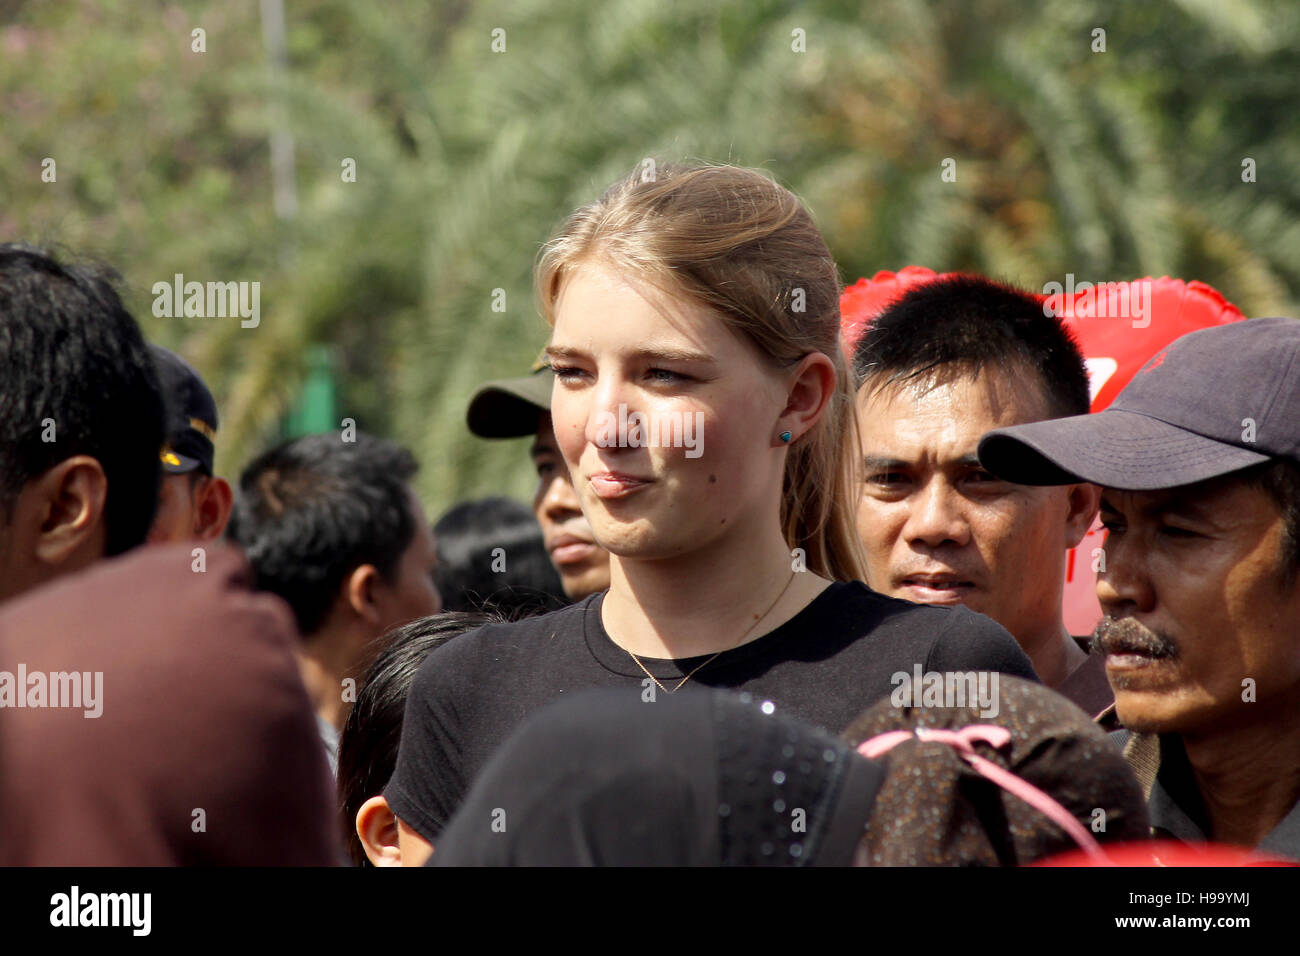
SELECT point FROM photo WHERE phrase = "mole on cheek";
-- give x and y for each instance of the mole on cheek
(713, 479)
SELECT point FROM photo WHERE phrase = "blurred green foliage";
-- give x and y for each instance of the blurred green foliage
(1110, 165)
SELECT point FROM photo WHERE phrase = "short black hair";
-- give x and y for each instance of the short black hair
(969, 322)
(311, 510)
(1280, 478)
(468, 537)
(71, 355)
(371, 735)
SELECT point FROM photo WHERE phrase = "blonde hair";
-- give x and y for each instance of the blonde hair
(742, 245)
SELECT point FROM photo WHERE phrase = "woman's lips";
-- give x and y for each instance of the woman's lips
(574, 552)
(608, 485)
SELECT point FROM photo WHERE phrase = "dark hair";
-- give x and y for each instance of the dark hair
(368, 744)
(967, 322)
(311, 510)
(70, 353)
(468, 537)
(1281, 479)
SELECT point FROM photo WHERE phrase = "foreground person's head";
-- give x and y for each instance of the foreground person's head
(711, 778)
(1199, 459)
(368, 745)
(939, 368)
(701, 396)
(940, 808)
(81, 421)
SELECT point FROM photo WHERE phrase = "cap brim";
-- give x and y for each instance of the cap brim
(182, 466)
(1114, 448)
(510, 408)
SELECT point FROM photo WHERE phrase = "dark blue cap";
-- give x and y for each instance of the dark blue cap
(1211, 402)
(191, 414)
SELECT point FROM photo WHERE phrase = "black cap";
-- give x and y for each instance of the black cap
(191, 414)
(512, 407)
(1211, 402)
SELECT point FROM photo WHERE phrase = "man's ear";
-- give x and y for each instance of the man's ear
(212, 510)
(377, 829)
(1084, 501)
(359, 592)
(70, 498)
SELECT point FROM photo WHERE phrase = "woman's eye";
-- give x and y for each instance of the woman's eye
(665, 375)
(566, 373)
(887, 478)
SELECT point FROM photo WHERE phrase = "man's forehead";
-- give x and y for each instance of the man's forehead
(941, 417)
(1207, 498)
(986, 394)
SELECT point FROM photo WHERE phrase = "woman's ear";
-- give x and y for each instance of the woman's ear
(812, 385)
(377, 830)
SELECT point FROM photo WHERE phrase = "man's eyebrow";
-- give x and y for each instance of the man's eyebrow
(881, 463)
(1181, 503)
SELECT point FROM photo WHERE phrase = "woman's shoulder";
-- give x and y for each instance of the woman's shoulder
(929, 622)
(526, 636)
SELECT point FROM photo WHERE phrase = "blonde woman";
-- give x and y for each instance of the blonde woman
(704, 411)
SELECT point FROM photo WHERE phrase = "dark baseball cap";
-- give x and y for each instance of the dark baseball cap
(1211, 402)
(191, 414)
(512, 407)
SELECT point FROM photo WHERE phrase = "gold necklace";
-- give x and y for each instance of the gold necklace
(696, 669)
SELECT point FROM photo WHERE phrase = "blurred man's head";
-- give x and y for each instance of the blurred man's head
(938, 369)
(335, 529)
(1199, 459)
(516, 408)
(491, 556)
(81, 421)
(193, 503)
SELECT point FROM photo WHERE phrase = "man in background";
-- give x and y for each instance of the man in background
(193, 504)
(518, 407)
(1199, 461)
(334, 528)
(81, 421)
(946, 363)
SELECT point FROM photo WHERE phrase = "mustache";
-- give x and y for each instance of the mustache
(1127, 636)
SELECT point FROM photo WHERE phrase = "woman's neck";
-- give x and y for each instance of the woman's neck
(709, 601)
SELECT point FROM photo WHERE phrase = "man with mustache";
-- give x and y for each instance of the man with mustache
(1199, 460)
(515, 408)
(937, 369)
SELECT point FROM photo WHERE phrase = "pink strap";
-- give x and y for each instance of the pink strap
(963, 742)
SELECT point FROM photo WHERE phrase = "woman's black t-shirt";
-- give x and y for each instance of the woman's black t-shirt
(825, 665)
